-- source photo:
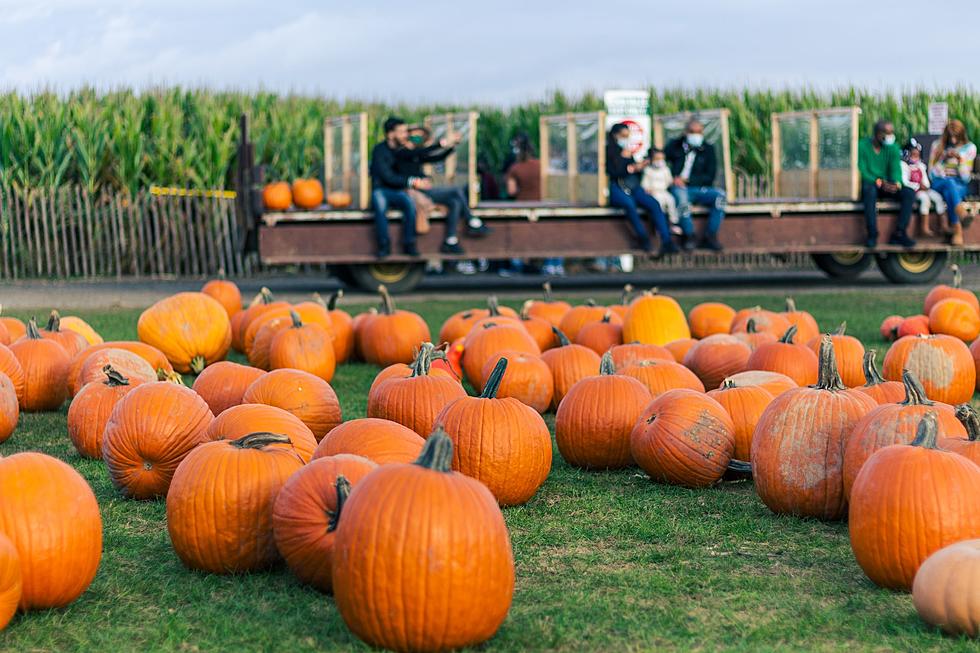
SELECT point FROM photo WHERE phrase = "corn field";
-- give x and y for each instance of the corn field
(127, 140)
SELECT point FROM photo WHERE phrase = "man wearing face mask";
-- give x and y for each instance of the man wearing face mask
(694, 166)
(880, 167)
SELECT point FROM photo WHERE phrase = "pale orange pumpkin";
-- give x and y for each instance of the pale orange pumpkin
(190, 328)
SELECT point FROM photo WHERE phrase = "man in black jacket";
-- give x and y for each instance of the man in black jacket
(694, 165)
(389, 188)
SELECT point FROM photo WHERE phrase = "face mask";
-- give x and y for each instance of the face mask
(622, 143)
(695, 140)
(888, 139)
(659, 164)
(417, 140)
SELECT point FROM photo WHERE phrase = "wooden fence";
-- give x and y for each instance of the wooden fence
(68, 233)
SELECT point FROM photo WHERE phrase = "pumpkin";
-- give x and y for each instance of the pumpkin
(9, 408)
(306, 513)
(498, 441)
(150, 354)
(786, 357)
(944, 591)
(11, 367)
(579, 316)
(549, 309)
(11, 581)
(889, 327)
(710, 318)
(877, 387)
(684, 437)
(678, 348)
(339, 199)
(239, 421)
(497, 314)
(753, 337)
(5, 338)
(774, 382)
(258, 352)
(343, 329)
(379, 440)
(943, 364)
(82, 328)
(955, 317)
(149, 432)
(16, 329)
(660, 376)
(459, 324)
(655, 319)
(392, 336)
(895, 423)
(850, 356)
(806, 325)
(307, 193)
(91, 408)
(309, 312)
(974, 351)
(915, 325)
(128, 364)
(528, 379)
(50, 515)
(360, 321)
(45, 366)
(223, 384)
(942, 291)
(744, 405)
(231, 532)
(308, 397)
(623, 306)
(538, 328)
(568, 364)
(798, 444)
(225, 293)
(277, 196)
(453, 557)
(190, 328)
(403, 371)
(261, 303)
(491, 338)
(625, 355)
(601, 336)
(594, 420)
(909, 501)
(415, 401)
(716, 357)
(306, 347)
(72, 341)
(969, 445)
(764, 321)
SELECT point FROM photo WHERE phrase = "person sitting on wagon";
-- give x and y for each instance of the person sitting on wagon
(951, 164)
(916, 176)
(694, 166)
(390, 188)
(656, 181)
(626, 192)
(879, 164)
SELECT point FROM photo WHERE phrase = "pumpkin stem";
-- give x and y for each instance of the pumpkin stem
(968, 416)
(198, 363)
(627, 294)
(957, 275)
(788, 336)
(563, 340)
(590, 302)
(343, 491)
(259, 439)
(547, 291)
(437, 454)
(728, 383)
(334, 298)
(871, 372)
(606, 365)
(493, 381)
(169, 377)
(829, 377)
(526, 309)
(790, 305)
(265, 295)
(926, 432)
(387, 304)
(318, 298)
(750, 326)
(739, 466)
(294, 316)
(221, 273)
(607, 317)
(114, 378)
(32, 332)
(423, 360)
(54, 322)
(915, 395)
(493, 306)
(842, 329)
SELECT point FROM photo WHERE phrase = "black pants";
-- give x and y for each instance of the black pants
(871, 193)
(455, 202)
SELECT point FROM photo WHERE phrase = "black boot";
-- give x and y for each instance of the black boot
(710, 241)
(688, 243)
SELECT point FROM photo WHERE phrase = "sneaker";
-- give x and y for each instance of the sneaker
(410, 249)
(466, 267)
(667, 247)
(451, 248)
(687, 243)
(384, 251)
(710, 241)
(478, 232)
(901, 238)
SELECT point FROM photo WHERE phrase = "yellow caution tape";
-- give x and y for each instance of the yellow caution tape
(171, 191)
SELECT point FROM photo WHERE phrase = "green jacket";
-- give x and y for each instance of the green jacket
(884, 164)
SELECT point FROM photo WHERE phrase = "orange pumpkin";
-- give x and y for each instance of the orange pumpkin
(765, 321)
(498, 441)
(678, 348)
(361, 320)
(943, 364)
(343, 329)
(806, 325)
(190, 328)
(974, 351)
(338, 199)
(623, 306)
(660, 376)
(240, 323)
(909, 501)
(538, 328)
(45, 366)
(745, 405)
(258, 353)
(625, 355)
(877, 387)
(710, 318)
(232, 533)
(944, 589)
(308, 397)
(497, 314)
(889, 327)
(490, 338)
(891, 424)
(594, 420)
(601, 336)
(11, 581)
(716, 357)
(955, 317)
(850, 356)
(403, 371)
(942, 291)
(277, 196)
(454, 557)
(786, 357)
(528, 379)
(798, 444)
(9, 409)
(655, 319)
(307, 193)
(579, 316)
(306, 347)
(684, 437)
(239, 421)
(459, 324)
(72, 341)
(914, 326)
(91, 408)
(50, 515)
(126, 363)
(774, 382)
(753, 337)
(549, 309)
(225, 293)
(150, 354)
(16, 329)
(223, 384)
(82, 328)
(392, 336)
(149, 432)
(568, 364)
(309, 312)
(379, 440)
(11, 367)
(307, 511)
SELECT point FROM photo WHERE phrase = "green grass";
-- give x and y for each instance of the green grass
(605, 561)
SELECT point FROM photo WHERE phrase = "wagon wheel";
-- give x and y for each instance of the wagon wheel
(912, 267)
(843, 265)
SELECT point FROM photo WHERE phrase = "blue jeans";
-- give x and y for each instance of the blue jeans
(702, 196)
(953, 190)
(381, 200)
(639, 198)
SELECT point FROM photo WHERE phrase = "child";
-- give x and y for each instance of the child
(655, 181)
(915, 175)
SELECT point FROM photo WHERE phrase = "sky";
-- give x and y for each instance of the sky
(496, 51)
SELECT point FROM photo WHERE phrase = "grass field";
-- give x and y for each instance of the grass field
(605, 561)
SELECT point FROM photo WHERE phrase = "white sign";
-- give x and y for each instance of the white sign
(938, 117)
(633, 109)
